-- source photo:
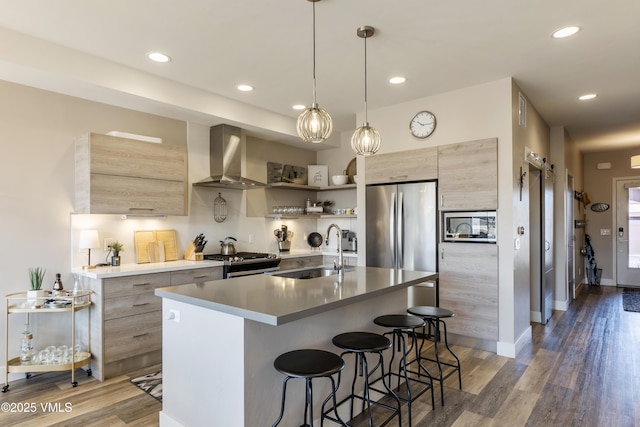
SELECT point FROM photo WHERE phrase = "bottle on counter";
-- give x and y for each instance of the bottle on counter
(26, 346)
(57, 285)
(76, 285)
(307, 206)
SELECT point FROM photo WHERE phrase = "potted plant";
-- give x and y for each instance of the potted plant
(326, 206)
(115, 248)
(35, 295)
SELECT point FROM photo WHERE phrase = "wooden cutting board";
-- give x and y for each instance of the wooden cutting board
(155, 250)
(155, 246)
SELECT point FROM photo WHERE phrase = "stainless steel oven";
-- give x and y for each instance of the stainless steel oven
(246, 263)
(479, 226)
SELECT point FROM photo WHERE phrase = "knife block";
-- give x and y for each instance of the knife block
(191, 255)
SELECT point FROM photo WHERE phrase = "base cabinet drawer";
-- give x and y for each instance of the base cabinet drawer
(199, 275)
(300, 262)
(132, 335)
(135, 285)
(131, 305)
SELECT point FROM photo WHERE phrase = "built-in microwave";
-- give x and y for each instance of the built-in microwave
(477, 226)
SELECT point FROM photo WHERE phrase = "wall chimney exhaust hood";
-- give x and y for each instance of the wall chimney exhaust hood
(225, 157)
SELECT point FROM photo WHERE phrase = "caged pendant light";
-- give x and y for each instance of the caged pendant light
(314, 124)
(366, 139)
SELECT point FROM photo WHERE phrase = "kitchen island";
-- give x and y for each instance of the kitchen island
(220, 339)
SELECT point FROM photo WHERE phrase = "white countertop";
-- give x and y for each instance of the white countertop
(155, 267)
(276, 300)
(161, 267)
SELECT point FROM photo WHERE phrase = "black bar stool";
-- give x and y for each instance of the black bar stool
(309, 364)
(401, 325)
(433, 316)
(358, 344)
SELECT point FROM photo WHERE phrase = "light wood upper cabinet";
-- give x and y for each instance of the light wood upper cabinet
(411, 165)
(468, 175)
(117, 175)
(469, 288)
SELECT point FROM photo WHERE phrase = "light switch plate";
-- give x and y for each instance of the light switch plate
(605, 232)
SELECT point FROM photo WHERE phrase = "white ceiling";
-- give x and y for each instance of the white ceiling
(438, 45)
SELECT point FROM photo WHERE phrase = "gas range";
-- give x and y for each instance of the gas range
(246, 263)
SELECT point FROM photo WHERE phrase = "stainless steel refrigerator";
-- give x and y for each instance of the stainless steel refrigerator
(402, 233)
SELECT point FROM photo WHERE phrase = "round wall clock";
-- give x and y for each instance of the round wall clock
(422, 124)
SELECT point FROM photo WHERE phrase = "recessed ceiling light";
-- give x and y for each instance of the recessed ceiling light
(397, 80)
(158, 57)
(587, 96)
(565, 32)
(245, 88)
(299, 107)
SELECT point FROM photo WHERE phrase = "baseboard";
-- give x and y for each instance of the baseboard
(166, 421)
(603, 282)
(512, 349)
(561, 305)
(535, 316)
(478, 343)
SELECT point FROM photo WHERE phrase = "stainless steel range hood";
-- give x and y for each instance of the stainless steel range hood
(225, 157)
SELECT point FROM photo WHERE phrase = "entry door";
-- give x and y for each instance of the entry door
(628, 232)
(548, 279)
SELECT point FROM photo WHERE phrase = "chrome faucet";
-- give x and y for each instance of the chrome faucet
(340, 265)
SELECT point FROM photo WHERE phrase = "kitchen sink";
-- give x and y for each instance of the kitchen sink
(307, 273)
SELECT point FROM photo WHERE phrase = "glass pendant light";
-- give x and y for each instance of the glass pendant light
(314, 124)
(366, 139)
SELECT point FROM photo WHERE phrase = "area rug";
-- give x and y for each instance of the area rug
(631, 299)
(151, 384)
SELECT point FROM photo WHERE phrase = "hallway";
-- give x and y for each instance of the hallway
(581, 369)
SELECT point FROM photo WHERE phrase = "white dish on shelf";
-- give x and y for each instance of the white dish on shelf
(339, 179)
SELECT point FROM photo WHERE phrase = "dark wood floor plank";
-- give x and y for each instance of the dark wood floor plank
(581, 369)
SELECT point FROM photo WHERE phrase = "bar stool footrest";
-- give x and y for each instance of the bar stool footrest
(427, 387)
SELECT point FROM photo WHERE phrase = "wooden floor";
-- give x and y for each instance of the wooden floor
(581, 369)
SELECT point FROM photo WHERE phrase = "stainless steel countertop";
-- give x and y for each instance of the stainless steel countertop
(276, 300)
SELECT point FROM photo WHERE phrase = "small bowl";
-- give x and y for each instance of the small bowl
(355, 178)
(339, 179)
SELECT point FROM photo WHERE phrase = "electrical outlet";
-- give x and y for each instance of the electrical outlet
(107, 242)
(173, 315)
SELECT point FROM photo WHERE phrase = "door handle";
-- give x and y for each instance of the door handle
(400, 233)
(547, 245)
(392, 229)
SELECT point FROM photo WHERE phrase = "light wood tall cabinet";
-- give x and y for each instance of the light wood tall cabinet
(468, 175)
(402, 166)
(117, 175)
(469, 288)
